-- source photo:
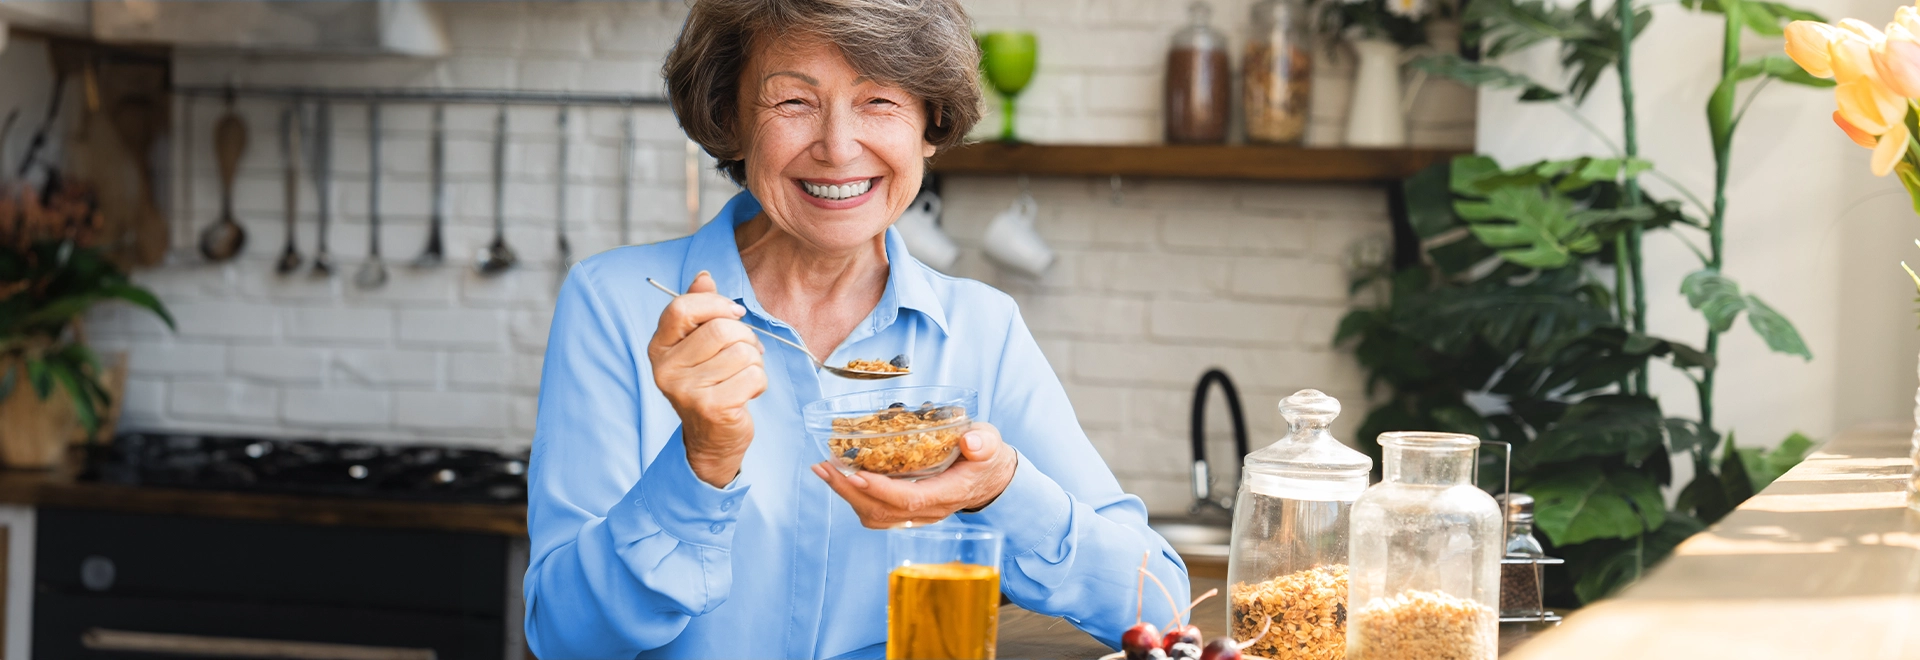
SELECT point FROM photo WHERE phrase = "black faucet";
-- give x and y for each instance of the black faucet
(1202, 476)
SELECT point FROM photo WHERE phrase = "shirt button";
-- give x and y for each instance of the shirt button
(726, 505)
(719, 527)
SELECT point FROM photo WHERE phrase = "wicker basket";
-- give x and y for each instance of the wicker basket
(33, 431)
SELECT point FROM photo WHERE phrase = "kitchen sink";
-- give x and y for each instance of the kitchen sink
(1202, 539)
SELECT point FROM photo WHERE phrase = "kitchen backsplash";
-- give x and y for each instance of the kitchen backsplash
(1156, 280)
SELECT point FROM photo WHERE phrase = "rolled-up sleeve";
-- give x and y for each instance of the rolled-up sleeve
(1073, 539)
(622, 554)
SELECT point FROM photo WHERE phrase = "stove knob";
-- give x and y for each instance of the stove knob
(96, 573)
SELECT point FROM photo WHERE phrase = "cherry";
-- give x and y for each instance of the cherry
(1221, 649)
(1182, 643)
(1139, 641)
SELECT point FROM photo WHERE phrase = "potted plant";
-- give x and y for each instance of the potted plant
(52, 270)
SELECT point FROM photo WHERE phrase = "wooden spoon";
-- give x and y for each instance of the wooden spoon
(226, 237)
(134, 119)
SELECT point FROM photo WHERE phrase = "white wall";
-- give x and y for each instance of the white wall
(1153, 286)
(1809, 229)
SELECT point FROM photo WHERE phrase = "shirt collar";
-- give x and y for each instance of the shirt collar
(713, 249)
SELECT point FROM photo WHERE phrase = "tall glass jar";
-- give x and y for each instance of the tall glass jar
(1276, 75)
(1288, 557)
(1199, 81)
(1427, 544)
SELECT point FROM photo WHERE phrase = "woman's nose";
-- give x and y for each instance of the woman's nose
(839, 141)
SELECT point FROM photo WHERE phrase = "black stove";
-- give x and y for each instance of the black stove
(310, 467)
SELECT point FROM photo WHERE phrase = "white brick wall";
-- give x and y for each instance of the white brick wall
(1154, 283)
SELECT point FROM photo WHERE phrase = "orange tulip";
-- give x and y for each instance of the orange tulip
(1907, 17)
(1869, 106)
(1858, 136)
(1807, 43)
(1852, 54)
(1862, 28)
(1896, 60)
(1889, 151)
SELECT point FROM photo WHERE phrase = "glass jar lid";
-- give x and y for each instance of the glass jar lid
(1199, 33)
(1308, 464)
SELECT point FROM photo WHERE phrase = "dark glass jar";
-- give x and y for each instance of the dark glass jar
(1199, 82)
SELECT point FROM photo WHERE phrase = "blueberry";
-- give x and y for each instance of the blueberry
(851, 453)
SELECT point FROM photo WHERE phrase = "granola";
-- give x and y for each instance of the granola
(1309, 612)
(875, 367)
(1425, 625)
(899, 441)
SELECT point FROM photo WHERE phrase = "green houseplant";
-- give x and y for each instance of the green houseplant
(52, 271)
(1524, 321)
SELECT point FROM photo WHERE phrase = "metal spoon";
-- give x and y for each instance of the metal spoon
(497, 258)
(560, 203)
(290, 258)
(434, 253)
(225, 238)
(323, 184)
(373, 273)
(843, 372)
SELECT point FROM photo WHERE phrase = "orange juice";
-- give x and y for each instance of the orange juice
(937, 611)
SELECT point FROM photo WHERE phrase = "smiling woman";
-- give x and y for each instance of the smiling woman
(670, 508)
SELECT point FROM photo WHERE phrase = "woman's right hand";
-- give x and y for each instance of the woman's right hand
(709, 365)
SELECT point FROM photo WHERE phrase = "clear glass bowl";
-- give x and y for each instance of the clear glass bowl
(901, 432)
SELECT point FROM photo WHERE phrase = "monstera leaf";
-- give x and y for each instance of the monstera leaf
(1603, 425)
(1588, 502)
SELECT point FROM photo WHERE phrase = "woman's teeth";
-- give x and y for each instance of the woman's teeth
(839, 192)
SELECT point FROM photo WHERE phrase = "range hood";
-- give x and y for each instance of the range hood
(358, 27)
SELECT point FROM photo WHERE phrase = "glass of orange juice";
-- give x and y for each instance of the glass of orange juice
(943, 593)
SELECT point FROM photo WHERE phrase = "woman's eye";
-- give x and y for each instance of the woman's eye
(882, 102)
(793, 102)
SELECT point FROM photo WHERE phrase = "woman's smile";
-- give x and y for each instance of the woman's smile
(835, 194)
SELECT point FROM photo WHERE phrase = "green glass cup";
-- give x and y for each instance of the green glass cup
(1008, 59)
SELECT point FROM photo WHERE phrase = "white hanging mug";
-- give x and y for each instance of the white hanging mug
(1012, 242)
(925, 240)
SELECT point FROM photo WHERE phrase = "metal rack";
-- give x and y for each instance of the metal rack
(1506, 486)
(478, 96)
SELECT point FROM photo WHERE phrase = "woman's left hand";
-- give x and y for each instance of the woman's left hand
(985, 467)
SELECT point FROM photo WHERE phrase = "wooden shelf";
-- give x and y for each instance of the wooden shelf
(1336, 165)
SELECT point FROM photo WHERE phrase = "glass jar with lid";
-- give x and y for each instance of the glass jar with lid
(1427, 545)
(1199, 81)
(1290, 523)
(1276, 73)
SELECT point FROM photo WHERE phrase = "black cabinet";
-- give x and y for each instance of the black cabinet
(191, 580)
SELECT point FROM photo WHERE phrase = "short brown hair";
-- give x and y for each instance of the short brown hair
(925, 47)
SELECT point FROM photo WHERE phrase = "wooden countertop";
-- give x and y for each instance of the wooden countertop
(1824, 563)
(58, 488)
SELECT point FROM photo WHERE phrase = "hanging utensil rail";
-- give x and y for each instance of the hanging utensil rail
(483, 96)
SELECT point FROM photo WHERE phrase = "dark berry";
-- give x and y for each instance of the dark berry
(1139, 640)
(1221, 649)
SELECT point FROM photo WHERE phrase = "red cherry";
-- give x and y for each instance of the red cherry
(1140, 639)
(1182, 643)
(1221, 649)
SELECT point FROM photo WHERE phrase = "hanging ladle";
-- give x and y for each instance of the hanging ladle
(323, 185)
(226, 237)
(497, 258)
(898, 361)
(290, 258)
(373, 273)
(434, 253)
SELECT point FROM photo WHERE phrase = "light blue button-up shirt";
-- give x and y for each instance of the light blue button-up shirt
(632, 556)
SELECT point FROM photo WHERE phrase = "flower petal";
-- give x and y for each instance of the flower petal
(1858, 136)
(1851, 56)
(1896, 61)
(1862, 28)
(1807, 43)
(1889, 151)
(1868, 106)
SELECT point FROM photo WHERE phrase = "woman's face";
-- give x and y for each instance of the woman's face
(833, 156)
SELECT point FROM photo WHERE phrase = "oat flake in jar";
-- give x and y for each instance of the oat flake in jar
(1290, 523)
(1425, 578)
